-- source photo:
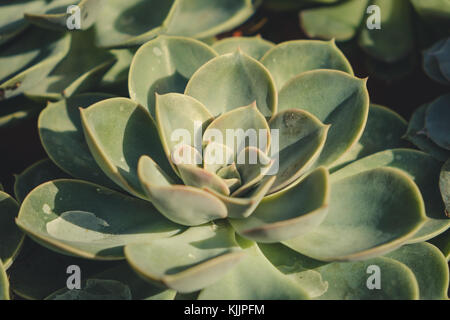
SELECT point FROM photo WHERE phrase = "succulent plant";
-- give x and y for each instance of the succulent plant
(40, 61)
(345, 194)
(345, 20)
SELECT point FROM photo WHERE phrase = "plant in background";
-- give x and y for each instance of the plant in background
(406, 26)
(347, 195)
(428, 128)
(41, 61)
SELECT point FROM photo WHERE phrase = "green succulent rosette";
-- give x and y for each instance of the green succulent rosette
(405, 24)
(150, 214)
(44, 57)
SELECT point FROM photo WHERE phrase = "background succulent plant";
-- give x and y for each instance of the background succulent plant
(347, 194)
(406, 27)
(40, 61)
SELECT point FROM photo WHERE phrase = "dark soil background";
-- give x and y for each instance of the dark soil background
(20, 146)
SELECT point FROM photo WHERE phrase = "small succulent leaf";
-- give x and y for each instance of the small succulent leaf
(252, 165)
(124, 278)
(118, 132)
(181, 120)
(40, 271)
(80, 70)
(129, 23)
(238, 80)
(344, 280)
(211, 17)
(4, 283)
(429, 267)
(444, 185)
(437, 121)
(32, 63)
(62, 137)
(89, 9)
(240, 128)
(83, 219)
(193, 206)
(420, 167)
(289, 213)
(436, 61)
(201, 178)
(395, 40)
(164, 65)
(384, 130)
(284, 64)
(301, 139)
(417, 135)
(116, 78)
(217, 157)
(11, 237)
(255, 47)
(187, 262)
(35, 175)
(247, 277)
(340, 22)
(442, 241)
(239, 208)
(367, 217)
(335, 98)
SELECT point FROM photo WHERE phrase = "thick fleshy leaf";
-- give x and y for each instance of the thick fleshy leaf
(192, 207)
(239, 128)
(38, 271)
(123, 283)
(384, 130)
(80, 70)
(252, 165)
(26, 63)
(187, 262)
(4, 283)
(429, 267)
(301, 138)
(370, 213)
(254, 278)
(344, 280)
(437, 121)
(89, 9)
(165, 65)
(289, 213)
(211, 17)
(63, 139)
(118, 132)
(238, 80)
(18, 109)
(201, 178)
(36, 174)
(436, 61)
(340, 21)
(395, 39)
(11, 237)
(86, 220)
(444, 185)
(217, 156)
(416, 134)
(284, 64)
(129, 23)
(239, 208)
(181, 120)
(423, 169)
(255, 47)
(442, 241)
(335, 98)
